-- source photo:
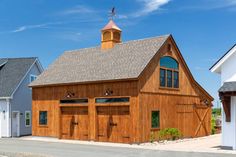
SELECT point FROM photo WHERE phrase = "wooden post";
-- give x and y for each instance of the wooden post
(92, 120)
(226, 106)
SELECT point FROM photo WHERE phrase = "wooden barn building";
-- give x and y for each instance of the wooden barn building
(120, 92)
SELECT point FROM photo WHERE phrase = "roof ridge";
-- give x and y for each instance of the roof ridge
(20, 58)
(82, 49)
(126, 42)
(148, 38)
(222, 57)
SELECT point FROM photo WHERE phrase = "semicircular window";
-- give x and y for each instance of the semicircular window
(169, 62)
(169, 72)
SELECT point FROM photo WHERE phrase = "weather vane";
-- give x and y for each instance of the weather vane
(112, 14)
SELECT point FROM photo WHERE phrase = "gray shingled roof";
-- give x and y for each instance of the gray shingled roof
(125, 61)
(2, 61)
(228, 87)
(12, 72)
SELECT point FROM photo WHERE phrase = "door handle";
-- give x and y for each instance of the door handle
(75, 123)
(113, 124)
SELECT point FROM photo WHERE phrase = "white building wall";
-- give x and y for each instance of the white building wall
(228, 71)
(233, 103)
(4, 119)
(229, 128)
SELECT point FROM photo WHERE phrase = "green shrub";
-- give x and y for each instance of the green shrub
(152, 137)
(169, 134)
(213, 125)
(216, 112)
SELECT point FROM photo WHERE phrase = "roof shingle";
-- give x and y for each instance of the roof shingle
(124, 61)
(12, 72)
(228, 87)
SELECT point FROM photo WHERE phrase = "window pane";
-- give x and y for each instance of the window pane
(111, 100)
(27, 122)
(27, 118)
(169, 78)
(155, 119)
(74, 101)
(162, 78)
(43, 117)
(32, 78)
(176, 79)
(169, 62)
(27, 115)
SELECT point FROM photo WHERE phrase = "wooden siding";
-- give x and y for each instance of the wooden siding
(175, 112)
(48, 99)
(150, 79)
(182, 108)
(169, 101)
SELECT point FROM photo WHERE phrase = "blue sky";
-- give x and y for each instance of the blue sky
(203, 29)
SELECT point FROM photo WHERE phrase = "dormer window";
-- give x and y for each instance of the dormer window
(32, 78)
(169, 72)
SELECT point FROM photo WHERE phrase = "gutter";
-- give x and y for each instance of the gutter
(5, 98)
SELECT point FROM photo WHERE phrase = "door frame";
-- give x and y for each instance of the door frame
(109, 105)
(61, 116)
(18, 121)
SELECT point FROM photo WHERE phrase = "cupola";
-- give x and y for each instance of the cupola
(111, 34)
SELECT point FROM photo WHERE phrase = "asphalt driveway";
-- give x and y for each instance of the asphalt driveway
(23, 148)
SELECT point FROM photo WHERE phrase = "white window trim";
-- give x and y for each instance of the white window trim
(30, 118)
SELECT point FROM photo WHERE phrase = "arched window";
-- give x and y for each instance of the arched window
(106, 36)
(116, 36)
(169, 72)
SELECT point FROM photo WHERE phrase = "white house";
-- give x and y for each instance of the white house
(226, 67)
(15, 95)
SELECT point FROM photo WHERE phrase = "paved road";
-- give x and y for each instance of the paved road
(9, 147)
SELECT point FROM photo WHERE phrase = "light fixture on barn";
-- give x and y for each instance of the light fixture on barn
(108, 92)
(169, 48)
(205, 101)
(4, 114)
(70, 95)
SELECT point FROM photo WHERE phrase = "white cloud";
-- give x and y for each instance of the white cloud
(210, 5)
(150, 6)
(121, 16)
(231, 2)
(78, 10)
(24, 28)
(28, 27)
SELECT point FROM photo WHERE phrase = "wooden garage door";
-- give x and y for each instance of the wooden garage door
(194, 120)
(114, 124)
(74, 123)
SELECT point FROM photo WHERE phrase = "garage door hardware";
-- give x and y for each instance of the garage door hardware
(101, 135)
(113, 124)
(75, 123)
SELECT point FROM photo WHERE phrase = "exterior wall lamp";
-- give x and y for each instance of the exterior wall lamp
(70, 94)
(108, 92)
(4, 114)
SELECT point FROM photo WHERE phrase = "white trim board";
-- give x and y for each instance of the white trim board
(35, 62)
(216, 67)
